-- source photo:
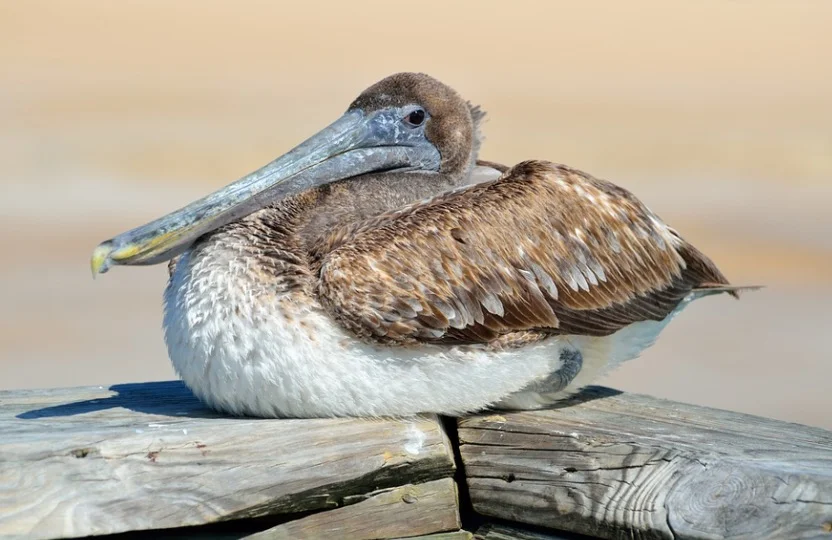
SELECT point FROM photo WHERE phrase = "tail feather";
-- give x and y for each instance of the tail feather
(705, 276)
(707, 289)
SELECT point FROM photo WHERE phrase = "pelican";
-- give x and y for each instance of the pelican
(380, 269)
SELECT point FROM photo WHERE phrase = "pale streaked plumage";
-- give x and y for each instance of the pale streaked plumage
(428, 287)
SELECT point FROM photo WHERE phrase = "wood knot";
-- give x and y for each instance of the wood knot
(81, 452)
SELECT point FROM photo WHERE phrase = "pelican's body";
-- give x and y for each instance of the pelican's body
(248, 351)
(418, 283)
(247, 332)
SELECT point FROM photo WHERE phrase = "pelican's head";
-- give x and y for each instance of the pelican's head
(405, 122)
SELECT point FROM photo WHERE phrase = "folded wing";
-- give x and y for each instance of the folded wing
(544, 247)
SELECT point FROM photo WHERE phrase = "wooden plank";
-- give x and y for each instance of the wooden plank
(491, 531)
(397, 512)
(456, 535)
(92, 461)
(617, 465)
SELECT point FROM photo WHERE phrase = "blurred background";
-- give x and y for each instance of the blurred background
(717, 114)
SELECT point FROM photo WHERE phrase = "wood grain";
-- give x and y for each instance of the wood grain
(456, 535)
(622, 465)
(492, 531)
(91, 461)
(404, 511)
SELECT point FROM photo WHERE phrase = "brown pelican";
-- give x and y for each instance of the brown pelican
(377, 270)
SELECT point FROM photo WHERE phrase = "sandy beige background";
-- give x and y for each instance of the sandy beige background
(717, 114)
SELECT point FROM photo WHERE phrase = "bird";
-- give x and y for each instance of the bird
(381, 269)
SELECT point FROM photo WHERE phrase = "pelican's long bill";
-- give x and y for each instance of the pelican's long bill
(356, 143)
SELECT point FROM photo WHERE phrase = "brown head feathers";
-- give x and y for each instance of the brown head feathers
(454, 123)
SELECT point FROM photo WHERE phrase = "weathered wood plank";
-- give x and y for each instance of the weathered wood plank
(491, 531)
(622, 465)
(86, 461)
(404, 511)
(456, 535)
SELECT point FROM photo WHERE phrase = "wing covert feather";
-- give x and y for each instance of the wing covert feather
(543, 247)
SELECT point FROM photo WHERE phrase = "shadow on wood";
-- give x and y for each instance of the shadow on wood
(164, 397)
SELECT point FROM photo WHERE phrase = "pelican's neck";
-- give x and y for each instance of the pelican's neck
(342, 204)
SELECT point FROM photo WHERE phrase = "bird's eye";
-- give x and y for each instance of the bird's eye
(415, 118)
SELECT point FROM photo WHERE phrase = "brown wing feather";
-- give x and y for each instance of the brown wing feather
(545, 247)
(493, 164)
